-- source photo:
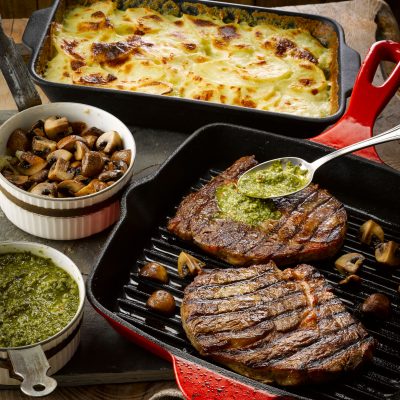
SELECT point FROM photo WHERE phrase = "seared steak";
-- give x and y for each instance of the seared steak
(274, 326)
(312, 224)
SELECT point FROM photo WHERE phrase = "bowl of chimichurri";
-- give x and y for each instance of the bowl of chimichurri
(41, 307)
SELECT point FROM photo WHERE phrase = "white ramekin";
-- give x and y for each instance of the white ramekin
(64, 218)
(31, 363)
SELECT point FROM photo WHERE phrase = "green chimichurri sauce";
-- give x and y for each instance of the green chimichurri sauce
(37, 299)
(241, 208)
(274, 181)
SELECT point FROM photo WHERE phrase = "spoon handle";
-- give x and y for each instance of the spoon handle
(388, 136)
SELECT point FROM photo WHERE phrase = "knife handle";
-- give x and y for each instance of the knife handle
(366, 102)
(200, 383)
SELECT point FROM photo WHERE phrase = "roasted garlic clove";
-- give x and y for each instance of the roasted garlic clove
(349, 263)
(388, 253)
(189, 265)
(371, 232)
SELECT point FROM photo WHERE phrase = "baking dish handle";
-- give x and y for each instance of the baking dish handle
(366, 102)
(34, 28)
(197, 382)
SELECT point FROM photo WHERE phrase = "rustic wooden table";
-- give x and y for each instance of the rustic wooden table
(364, 21)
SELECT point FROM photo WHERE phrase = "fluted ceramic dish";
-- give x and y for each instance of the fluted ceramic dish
(64, 218)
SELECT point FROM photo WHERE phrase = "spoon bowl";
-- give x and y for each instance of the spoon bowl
(292, 162)
(256, 185)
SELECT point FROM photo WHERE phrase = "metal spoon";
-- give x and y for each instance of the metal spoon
(388, 136)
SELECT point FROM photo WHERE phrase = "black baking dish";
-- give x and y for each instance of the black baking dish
(367, 189)
(178, 113)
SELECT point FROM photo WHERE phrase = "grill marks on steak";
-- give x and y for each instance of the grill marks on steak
(312, 226)
(275, 326)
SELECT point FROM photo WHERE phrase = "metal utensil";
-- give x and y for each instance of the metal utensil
(388, 136)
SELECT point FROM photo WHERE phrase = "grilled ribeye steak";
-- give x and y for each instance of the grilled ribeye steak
(274, 326)
(312, 225)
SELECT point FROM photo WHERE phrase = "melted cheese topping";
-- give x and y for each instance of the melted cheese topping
(195, 57)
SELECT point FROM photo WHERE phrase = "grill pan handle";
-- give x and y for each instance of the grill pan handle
(34, 28)
(366, 102)
(200, 383)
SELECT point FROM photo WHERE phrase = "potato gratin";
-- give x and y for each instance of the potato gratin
(195, 57)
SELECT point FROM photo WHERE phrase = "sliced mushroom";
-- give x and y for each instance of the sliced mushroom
(18, 180)
(18, 140)
(155, 272)
(351, 280)
(78, 127)
(69, 142)
(37, 129)
(92, 131)
(76, 164)
(93, 187)
(106, 158)
(42, 146)
(377, 306)
(92, 163)
(84, 179)
(29, 163)
(162, 302)
(55, 155)
(117, 166)
(189, 265)
(371, 232)
(80, 150)
(70, 187)
(388, 253)
(48, 189)
(91, 141)
(54, 126)
(110, 175)
(122, 155)
(109, 142)
(60, 171)
(40, 176)
(349, 263)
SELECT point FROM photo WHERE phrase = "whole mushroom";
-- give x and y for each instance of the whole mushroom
(18, 140)
(92, 163)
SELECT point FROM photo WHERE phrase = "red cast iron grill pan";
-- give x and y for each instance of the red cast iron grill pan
(367, 188)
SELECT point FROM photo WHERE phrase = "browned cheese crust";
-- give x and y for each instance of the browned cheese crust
(312, 225)
(274, 326)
